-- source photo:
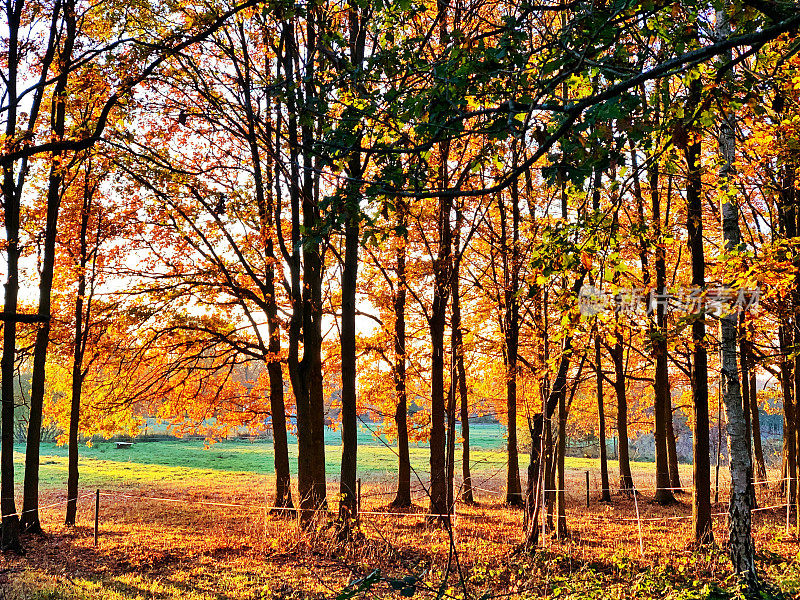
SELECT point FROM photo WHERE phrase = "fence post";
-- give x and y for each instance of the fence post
(788, 502)
(587, 489)
(358, 500)
(96, 515)
(639, 521)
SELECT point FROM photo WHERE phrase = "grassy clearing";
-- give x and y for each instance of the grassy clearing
(184, 549)
(181, 461)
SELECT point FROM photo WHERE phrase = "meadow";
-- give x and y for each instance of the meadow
(180, 519)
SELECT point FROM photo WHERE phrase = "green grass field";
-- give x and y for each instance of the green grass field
(192, 461)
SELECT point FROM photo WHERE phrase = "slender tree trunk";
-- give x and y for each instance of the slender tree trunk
(266, 201)
(280, 442)
(605, 493)
(11, 206)
(546, 456)
(658, 338)
(80, 337)
(511, 330)
(558, 388)
(347, 482)
(672, 451)
(789, 459)
(549, 467)
(347, 487)
(744, 368)
(451, 434)
(403, 497)
(10, 522)
(533, 494)
(312, 279)
(561, 481)
(466, 492)
(460, 370)
(661, 285)
(311, 365)
(789, 342)
(441, 293)
(748, 357)
(618, 358)
(442, 273)
(701, 498)
(740, 540)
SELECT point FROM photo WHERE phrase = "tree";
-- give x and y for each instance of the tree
(511, 327)
(14, 172)
(741, 547)
(29, 49)
(357, 21)
(58, 167)
(460, 372)
(701, 497)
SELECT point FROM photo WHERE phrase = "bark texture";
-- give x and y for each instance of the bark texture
(740, 540)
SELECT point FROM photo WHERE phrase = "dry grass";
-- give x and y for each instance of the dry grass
(159, 549)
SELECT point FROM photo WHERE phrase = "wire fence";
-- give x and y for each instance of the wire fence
(375, 508)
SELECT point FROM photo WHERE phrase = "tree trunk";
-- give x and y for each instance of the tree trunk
(280, 442)
(9, 540)
(511, 334)
(789, 459)
(347, 486)
(466, 491)
(442, 273)
(266, 200)
(758, 451)
(460, 370)
(549, 466)
(30, 501)
(672, 451)
(441, 292)
(561, 483)
(347, 483)
(617, 356)
(403, 497)
(451, 435)
(740, 540)
(10, 522)
(80, 337)
(605, 494)
(558, 388)
(533, 494)
(305, 323)
(312, 278)
(789, 341)
(662, 405)
(701, 463)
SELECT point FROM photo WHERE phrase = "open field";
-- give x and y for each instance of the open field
(178, 460)
(158, 539)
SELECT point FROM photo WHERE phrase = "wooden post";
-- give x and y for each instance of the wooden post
(788, 502)
(639, 521)
(96, 515)
(358, 499)
(587, 489)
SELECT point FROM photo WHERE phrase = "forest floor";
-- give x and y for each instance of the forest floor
(160, 538)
